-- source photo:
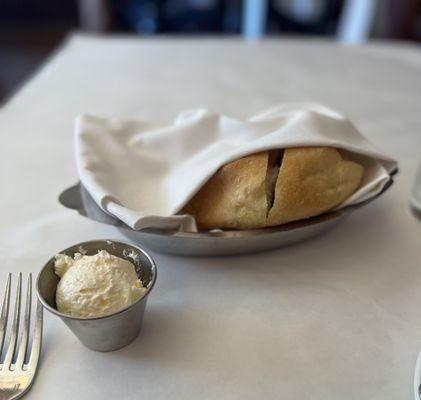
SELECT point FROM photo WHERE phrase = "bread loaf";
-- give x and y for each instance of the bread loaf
(275, 187)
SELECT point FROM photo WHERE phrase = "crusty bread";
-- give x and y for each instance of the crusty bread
(311, 181)
(234, 197)
(275, 187)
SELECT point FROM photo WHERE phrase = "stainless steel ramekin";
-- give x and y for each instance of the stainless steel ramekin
(109, 332)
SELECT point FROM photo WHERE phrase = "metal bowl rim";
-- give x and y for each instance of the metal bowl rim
(242, 233)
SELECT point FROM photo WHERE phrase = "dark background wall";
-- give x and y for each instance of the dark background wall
(31, 29)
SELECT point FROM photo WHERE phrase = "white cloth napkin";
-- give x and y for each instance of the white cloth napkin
(143, 173)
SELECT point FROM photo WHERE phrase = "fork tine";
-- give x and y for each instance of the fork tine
(24, 342)
(5, 312)
(15, 325)
(36, 343)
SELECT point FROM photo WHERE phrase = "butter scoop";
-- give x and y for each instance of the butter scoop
(97, 285)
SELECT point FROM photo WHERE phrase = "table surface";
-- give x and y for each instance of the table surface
(334, 317)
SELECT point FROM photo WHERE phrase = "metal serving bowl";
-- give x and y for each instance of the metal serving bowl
(221, 243)
(109, 332)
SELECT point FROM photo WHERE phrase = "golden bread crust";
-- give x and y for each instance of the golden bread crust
(234, 197)
(312, 180)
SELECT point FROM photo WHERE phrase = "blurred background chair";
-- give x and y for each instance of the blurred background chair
(353, 25)
(31, 29)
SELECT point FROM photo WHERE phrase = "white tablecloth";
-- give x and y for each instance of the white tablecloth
(337, 317)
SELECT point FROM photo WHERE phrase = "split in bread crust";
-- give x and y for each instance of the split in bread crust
(274, 163)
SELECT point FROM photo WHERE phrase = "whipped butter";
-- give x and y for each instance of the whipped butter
(93, 286)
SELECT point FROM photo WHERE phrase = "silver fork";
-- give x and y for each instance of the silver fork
(16, 377)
